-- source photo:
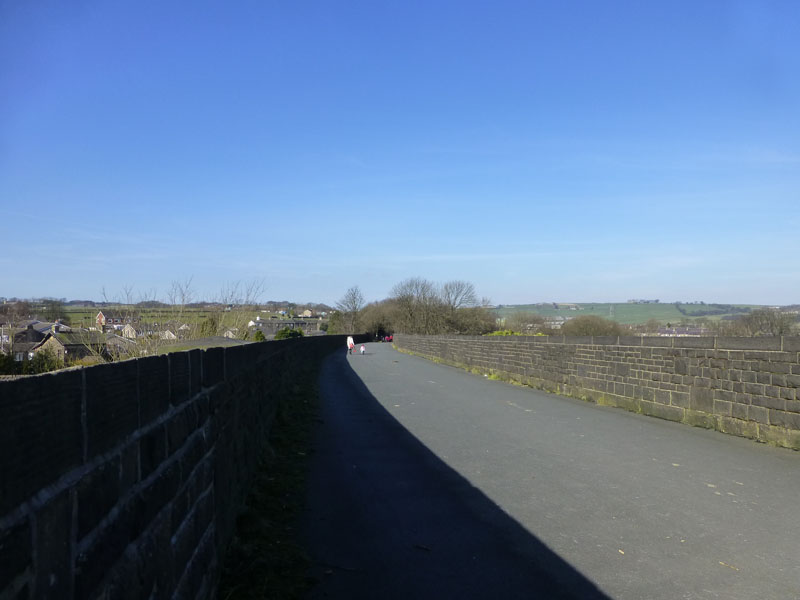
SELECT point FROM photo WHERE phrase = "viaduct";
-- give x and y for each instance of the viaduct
(124, 479)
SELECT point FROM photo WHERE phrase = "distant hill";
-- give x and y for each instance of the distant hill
(630, 313)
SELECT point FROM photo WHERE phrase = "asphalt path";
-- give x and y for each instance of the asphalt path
(430, 482)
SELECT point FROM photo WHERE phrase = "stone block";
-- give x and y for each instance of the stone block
(662, 396)
(756, 389)
(786, 438)
(657, 342)
(787, 420)
(112, 405)
(681, 399)
(155, 495)
(195, 371)
(154, 387)
(41, 436)
(631, 340)
(764, 377)
(152, 450)
(694, 342)
(724, 395)
(791, 344)
(179, 427)
(129, 467)
(739, 411)
(180, 377)
(721, 407)
(212, 366)
(768, 402)
(700, 419)
(97, 493)
(16, 553)
(670, 413)
(749, 343)
(53, 577)
(757, 414)
(738, 427)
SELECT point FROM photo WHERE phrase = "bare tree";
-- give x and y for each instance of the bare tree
(419, 307)
(458, 294)
(237, 301)
(766, 321)
(524, 322)
(350, 306)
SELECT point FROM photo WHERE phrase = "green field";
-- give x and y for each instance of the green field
(625, 312)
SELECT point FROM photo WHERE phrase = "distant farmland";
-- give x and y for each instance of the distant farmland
(630, 313)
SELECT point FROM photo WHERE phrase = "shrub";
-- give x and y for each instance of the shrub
(42, 362)
(288, 332)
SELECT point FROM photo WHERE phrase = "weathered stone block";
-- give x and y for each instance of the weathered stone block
(700, 419)
(721, 407)
(654, 409)
(41, 436)
(756, 389)
(701, 399)
(97, 493)
(212, 366)
(694, 342)
(53, 577)
(152, 450)
(739, 411)
(738, 427)
(758, 414)
(768, 402)
(788, 393)
(681, 399)
(112, 404)
(788, 420)
(749, 343)
(15, 552)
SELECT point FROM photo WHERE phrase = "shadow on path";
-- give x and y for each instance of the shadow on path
(386, 518)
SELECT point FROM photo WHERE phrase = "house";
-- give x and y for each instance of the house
(73, 345)
(683, 331)
(111, 321)
(129, 332)
(555, 322)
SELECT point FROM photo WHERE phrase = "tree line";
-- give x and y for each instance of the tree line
(418, 306)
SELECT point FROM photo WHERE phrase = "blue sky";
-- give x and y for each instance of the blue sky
(568, 151)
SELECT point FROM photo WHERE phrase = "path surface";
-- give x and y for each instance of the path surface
(429, 482)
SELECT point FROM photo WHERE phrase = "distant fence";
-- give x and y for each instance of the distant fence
(743, 386)
(125, 479)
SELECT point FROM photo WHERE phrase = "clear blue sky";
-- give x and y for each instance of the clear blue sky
(569, 151)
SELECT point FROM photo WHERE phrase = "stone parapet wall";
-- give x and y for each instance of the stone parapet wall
(125, 479)
(742, 386)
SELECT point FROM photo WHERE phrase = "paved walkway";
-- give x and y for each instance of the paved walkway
(429, 482)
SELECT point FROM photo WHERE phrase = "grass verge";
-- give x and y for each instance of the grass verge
(265, 558)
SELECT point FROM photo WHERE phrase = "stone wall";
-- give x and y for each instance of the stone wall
(742, 386)
(125, 479)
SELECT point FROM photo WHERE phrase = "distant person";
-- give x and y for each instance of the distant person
(350, 344)
(363, 349)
